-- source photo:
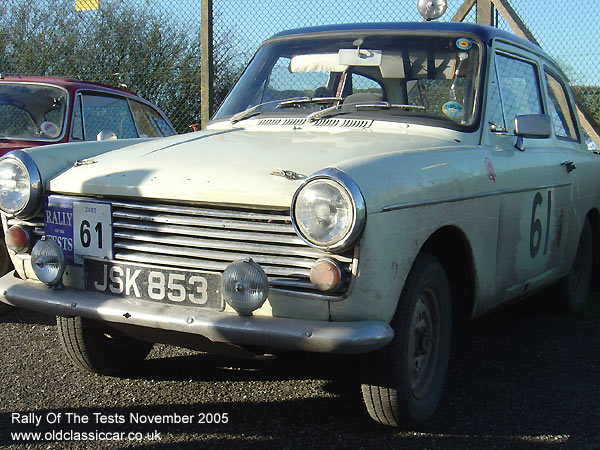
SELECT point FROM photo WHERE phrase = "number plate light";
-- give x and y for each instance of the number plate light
(245, 286)
(48, 262)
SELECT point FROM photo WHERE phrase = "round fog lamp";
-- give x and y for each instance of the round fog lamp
(48, 262)
(325, 275)
(245, 286)
(17, 238)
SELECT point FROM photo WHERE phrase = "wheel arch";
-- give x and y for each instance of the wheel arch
(450, 245)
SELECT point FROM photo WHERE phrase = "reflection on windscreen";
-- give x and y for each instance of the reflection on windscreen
(31, 112)
(434, 77)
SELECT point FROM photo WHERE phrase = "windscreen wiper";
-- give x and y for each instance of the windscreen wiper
(300, 101)
(327, 112)
(387, 105)
(337, 109)
(253, 110)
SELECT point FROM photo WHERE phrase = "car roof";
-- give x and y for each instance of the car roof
(67, 83)
(486, 33)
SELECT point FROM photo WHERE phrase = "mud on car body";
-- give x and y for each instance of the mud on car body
(361, 189)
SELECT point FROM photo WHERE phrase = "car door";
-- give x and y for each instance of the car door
(533, 184)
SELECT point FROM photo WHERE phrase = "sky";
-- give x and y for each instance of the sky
(569, 30)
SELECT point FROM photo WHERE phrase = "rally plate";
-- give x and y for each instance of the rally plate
(157, 284)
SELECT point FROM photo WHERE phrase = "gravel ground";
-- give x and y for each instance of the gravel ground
(518, 379)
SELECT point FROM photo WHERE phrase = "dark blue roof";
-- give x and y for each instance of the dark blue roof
(486, 33)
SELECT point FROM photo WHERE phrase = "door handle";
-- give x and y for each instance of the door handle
(569, 165)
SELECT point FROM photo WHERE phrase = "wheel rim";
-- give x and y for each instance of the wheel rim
(423, 343)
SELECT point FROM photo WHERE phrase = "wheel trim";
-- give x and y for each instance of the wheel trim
(423, 343)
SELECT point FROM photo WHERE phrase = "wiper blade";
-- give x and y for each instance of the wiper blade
(317, 100)
(327, 112)
(387, 105)
(253, 110)
(336, 110)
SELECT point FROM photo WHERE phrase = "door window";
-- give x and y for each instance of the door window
(519, 86)
(104, 112)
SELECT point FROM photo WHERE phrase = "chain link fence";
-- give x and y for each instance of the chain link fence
(153, 46)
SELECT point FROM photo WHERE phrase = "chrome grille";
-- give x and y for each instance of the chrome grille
(211, 238)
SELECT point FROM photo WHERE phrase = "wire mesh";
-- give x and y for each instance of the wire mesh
(152, 46)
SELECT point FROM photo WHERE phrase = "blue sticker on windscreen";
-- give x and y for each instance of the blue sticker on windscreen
(454, 110)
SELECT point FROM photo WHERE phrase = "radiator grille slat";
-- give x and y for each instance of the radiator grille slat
(209, 238)
(203, 221)
(220, 244)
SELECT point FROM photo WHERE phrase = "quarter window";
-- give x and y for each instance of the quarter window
(560, 110)
(494, 106)
(149, 122)
(77, 122)
(519, 86)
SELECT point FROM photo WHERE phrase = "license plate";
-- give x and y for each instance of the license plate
(159, 284)
(82, 228)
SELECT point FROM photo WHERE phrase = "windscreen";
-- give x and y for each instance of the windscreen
(393, 77)
(32, 111)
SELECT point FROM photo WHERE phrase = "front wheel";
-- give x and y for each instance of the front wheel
(402, 383)
(93, 346)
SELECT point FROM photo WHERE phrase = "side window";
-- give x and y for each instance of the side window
(519, 87)
(560, 110)
(77, 121)
(104, 112)
(149, 122)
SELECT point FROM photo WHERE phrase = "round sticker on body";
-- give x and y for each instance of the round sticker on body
(50, 129)
(453, 110)
(464, 43)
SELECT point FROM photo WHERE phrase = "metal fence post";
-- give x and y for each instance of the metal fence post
(484, 12)
(206, 61)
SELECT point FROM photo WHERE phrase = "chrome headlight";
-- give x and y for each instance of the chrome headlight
(328, 210)
(20, 185)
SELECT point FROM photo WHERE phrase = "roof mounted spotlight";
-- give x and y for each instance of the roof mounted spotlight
(432, 9)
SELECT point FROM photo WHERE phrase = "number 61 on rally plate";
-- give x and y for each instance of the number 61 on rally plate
(92, 231)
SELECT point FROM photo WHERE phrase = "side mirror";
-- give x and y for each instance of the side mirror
(106, 135)
(534, 126)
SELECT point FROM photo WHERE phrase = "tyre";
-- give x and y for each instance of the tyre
(93, 346)
(402, 383)
(5, 267)
(573, 290)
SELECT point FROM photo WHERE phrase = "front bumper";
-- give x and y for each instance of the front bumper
(280, 333)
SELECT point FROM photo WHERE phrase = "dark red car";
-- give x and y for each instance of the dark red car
(46, 110)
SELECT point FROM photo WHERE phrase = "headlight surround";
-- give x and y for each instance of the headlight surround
(20, 185)
(328, 210)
